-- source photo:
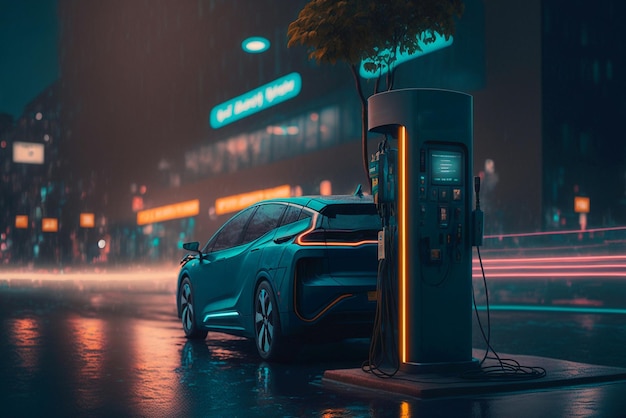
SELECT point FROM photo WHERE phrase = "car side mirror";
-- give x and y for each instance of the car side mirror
(193, 246)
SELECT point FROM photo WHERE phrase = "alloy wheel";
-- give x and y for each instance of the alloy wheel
(188, 313)
(264, 322)
(186, 307)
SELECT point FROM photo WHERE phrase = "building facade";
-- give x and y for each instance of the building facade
(166, 134)
(179, 67)
(583, 97)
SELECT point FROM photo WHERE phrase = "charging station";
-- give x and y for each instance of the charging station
(435, 224)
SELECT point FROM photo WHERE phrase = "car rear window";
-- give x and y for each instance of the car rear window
(350, 217)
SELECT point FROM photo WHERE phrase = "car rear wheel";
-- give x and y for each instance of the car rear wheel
(188, 313)
(269, 341)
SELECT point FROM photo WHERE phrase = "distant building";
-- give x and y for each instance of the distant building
(33, 183)
(147, 91)
(583, 111)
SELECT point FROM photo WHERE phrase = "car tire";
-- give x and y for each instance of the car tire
(267, 333)
(188, 313)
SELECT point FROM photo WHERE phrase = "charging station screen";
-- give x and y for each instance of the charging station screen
(446, 167)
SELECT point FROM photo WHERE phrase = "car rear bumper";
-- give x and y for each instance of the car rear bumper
(330, 288)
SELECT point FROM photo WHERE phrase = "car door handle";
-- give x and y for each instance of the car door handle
(285, 238)
(254, 249)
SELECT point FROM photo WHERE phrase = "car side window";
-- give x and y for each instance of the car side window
(292, 214)
(230, 235)
(304, 215)
(264, 220)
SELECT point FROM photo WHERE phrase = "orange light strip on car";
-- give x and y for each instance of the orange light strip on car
(339, 243)
(322, 312)
(299, 240)
(402, 239)
(311, 228)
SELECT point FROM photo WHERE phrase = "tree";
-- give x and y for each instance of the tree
(372, 30)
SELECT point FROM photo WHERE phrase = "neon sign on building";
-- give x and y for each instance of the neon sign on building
(439, 43)
(237, 202)
(168, 212)
(270, 94)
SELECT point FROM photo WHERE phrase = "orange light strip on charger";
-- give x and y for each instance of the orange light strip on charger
(402, 238)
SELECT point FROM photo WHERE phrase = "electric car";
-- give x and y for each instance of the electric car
(285, 271)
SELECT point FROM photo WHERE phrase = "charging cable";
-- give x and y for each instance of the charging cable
(505, 369)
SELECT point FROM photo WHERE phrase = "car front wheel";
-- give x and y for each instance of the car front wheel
(269, 341)
(188, 313)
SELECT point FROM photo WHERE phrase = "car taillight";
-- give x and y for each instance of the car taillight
(312, 237)
(337, 237)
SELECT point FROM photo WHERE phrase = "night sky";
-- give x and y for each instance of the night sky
(28, 51)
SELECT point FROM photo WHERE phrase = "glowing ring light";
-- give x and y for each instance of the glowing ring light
(255, 45)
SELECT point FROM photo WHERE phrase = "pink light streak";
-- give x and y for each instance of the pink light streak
(545, 233)
(606, 266)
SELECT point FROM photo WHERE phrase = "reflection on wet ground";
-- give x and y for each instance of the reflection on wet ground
(104, 348)
(99, 349)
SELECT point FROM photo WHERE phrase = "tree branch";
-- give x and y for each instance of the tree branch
(364, 114)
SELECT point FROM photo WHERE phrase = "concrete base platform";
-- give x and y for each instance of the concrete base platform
(558, 373)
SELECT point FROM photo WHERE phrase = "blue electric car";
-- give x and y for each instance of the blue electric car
(283, 271)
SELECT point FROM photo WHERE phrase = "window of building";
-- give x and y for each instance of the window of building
(304, 133)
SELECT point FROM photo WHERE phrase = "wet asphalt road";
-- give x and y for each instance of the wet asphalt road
(111, 346)
(114, 348)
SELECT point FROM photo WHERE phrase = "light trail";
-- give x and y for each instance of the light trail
(112, 275)
(553, 267)
(567, 309)
(577, 258)
(561, 267)
(589, 274)
(548, 233)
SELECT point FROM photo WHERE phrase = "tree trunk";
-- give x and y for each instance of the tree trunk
(364, 152)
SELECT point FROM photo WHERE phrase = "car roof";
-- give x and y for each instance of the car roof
(318, 202)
